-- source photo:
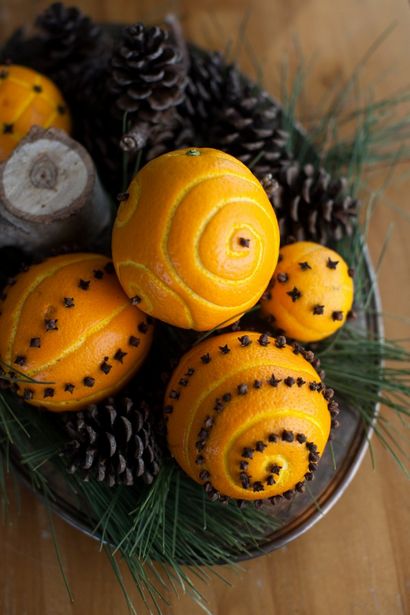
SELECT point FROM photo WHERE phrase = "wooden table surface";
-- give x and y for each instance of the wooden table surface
(357, 559)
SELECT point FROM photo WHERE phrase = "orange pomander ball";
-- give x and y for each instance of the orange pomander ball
(68, 325)
(197, 240)
(247, 417)
(311, 292)
(27, 98)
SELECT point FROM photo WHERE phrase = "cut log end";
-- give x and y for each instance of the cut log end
(50, 194)
(48, 177)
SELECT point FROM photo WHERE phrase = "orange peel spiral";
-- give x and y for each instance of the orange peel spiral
(67, 325)
(196, 240)
(248, 417)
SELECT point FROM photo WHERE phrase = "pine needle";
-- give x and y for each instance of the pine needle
(58, 551)
(332, 454)
(120, 580)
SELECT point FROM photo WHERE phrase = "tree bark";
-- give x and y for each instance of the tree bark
(50, 195)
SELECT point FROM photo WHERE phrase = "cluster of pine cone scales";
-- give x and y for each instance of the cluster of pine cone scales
(149, 92)
(113, 442)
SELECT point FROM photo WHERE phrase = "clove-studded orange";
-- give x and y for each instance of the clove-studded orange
(196, 240)
(248, 416)
(311, 292)
(70, 333)
(28, 99)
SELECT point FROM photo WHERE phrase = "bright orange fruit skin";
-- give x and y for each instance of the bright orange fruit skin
(28, 98)
(197, 239)
(311, 269)
(206, 400)
(90, 345)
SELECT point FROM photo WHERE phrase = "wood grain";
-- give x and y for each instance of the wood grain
(357, 560)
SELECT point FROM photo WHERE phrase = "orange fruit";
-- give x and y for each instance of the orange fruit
(68, 325)
(197, 239)
(28, 98)
(311, 292)
(247, 417)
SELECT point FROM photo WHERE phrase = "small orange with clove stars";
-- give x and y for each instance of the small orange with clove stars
(311, 292)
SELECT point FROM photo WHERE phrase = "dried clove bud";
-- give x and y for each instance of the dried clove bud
(260, 446)
(84, 284)
(331, 264)
(119, 355)
(224, 349)
(274, 381)
(280, 341)
(247, 452)
(264, 340)
(242, 389)
(287, 436)
(318, 310)
(294, 294)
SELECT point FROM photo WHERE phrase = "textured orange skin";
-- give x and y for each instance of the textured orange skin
(247, 418)
(101, 321)
(176, 239)
(332, 288)
(22, 107)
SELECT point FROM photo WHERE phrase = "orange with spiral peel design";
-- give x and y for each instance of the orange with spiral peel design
(311, 292)
(196, 241)
(28, 99)
(248, 416)
(68, 325)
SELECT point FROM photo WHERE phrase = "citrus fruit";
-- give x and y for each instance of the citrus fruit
(311, 292)
(69, 332)
(28, 99)
(247, 416)
(196, 240)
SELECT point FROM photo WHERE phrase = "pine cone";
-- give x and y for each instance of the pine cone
(205, 87)
(310, 205)
(95, 126)
(175, 136)
(68, 34)
(75, 52)
(113, 442)
(148, 76)
(249, 126)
